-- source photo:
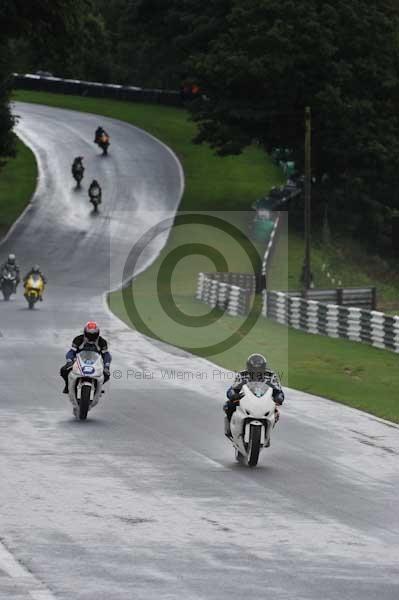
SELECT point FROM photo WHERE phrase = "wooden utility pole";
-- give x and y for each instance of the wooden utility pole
(307, 270)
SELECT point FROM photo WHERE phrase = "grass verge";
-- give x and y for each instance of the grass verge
(348, 372)
(17, 184)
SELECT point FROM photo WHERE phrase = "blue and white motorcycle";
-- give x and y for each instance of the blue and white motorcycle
(85, 382)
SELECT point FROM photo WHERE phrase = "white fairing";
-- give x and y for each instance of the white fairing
(87, 370)
(8, 275)
(256, 409)
(95, 193)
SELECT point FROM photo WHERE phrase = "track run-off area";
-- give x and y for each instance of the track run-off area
(145, 500)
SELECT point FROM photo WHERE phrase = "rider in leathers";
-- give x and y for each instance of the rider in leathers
(11, 265)
(257, 370)
(90, 338)
(35, 270)
(77, 165)
(100, 131)
(95, 190)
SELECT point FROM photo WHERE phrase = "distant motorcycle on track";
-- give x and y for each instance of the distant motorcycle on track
(95, 194)
(102, 140)
(78, 170)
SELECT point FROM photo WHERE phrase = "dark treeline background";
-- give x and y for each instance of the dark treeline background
(259, 63)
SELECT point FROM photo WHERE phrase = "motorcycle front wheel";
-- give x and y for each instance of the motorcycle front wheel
(254, 446)
(84, 402)
(7, 291)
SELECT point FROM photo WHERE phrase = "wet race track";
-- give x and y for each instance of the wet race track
(145, 500)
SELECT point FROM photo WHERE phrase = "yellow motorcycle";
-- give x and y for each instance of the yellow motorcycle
(34, 288)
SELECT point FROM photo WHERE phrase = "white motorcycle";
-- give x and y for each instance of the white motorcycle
(85, 382)
(252, 422)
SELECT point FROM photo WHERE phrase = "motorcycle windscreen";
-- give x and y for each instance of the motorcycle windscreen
(34, 282)
(258, 388)
(89, 357)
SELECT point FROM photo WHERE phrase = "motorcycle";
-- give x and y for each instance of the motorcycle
(8, 283)
(104, 143)
(34, 288)
(95, 197)
(252, 422)
(78, 172)
(85, 382)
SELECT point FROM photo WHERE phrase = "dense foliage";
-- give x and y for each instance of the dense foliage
(259, 64)
(33, 33)
(7, 142)
(272, 58)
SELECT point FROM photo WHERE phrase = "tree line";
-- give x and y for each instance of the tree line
(258, 64)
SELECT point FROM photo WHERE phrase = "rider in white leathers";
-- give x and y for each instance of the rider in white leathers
(257, 370)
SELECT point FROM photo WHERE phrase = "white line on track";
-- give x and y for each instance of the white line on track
(16, 570)
(9, 565)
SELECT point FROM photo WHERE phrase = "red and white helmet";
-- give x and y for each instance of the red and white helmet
(91, 331)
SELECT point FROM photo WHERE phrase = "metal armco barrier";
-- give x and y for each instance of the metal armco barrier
(228, 297)
(351, 323)
(244, 280)
(356, 324)
(97, 90)
(358, 297)
(347, 313)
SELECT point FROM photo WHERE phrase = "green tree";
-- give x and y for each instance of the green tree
(146, 43)
(7, 143)
(154, 39)
(46, 26)
(271, 58)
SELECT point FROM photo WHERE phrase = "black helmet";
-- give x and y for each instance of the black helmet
(256, 367)
(35, 269)
(11, 259)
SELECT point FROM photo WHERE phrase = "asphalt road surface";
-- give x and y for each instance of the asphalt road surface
(144, 500)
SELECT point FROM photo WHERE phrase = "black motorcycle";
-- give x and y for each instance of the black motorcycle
(78, 172)
(8, 283)
(95, 196)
